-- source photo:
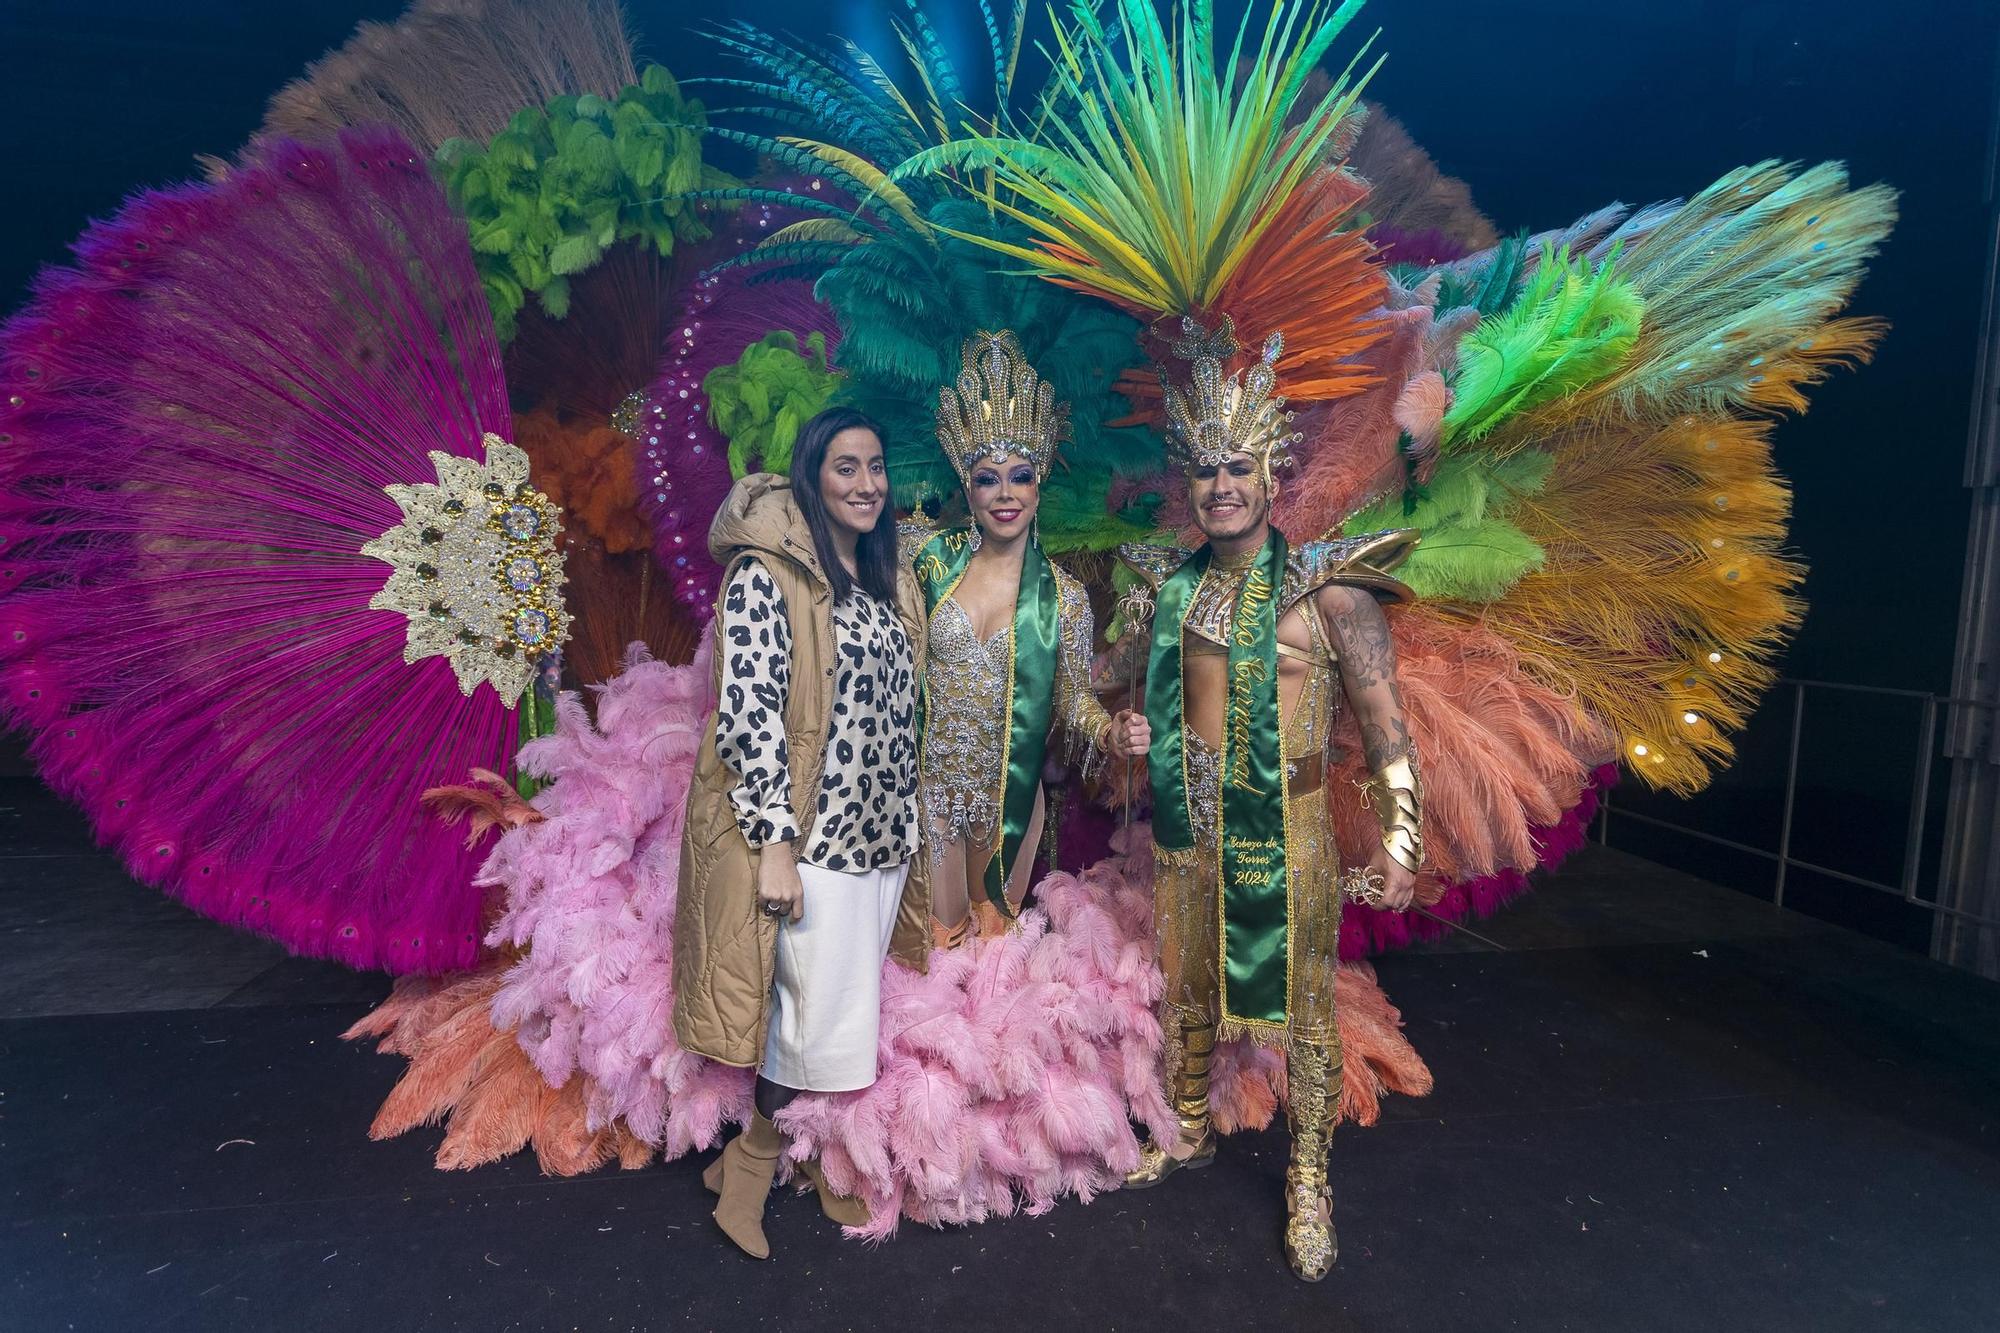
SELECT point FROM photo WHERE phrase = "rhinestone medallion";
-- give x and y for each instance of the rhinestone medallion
(476, 573)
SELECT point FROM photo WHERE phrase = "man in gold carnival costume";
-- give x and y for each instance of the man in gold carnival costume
(1254, 645)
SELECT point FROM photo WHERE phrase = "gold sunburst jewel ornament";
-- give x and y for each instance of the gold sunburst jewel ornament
(476, 569)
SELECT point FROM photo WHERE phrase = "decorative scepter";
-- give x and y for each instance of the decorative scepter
(1135, 608)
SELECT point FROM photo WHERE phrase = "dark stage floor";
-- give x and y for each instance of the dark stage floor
(1664, 1106)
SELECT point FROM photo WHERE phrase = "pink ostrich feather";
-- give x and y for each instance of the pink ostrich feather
(683, 459)
(590, 897)
(1420, 412)
(199, 420)
(1010, 1071)
(1517, 773)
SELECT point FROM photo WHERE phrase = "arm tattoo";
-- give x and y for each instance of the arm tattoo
(1386, 740)
(1368, 670)
(1361, 632)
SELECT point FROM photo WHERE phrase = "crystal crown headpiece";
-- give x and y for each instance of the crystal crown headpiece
(997, 407)
(1214, 415)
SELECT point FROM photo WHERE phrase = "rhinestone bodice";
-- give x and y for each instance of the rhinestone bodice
(965, 730)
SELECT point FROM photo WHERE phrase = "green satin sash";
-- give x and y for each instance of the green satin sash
(1254, 887)
(1031, 685)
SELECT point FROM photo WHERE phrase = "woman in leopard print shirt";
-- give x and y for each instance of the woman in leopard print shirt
(830, 863)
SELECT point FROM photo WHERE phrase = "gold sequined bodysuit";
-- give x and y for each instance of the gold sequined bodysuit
(1188, 881)
(965, 731)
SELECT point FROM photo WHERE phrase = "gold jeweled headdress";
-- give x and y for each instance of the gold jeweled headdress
(1216, 415)
(999, 406)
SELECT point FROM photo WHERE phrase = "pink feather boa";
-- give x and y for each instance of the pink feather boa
(1010, 1072)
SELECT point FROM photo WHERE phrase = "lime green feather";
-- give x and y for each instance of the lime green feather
(562, 184)
(1571, 326)
(761, 400)
(1469, 551)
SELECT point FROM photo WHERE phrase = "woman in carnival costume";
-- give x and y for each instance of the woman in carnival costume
(1011, 642)
(802, 821)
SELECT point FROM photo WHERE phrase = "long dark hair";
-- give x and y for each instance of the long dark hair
(875, 550)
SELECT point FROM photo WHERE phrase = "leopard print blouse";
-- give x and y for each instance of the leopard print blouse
(867, 812)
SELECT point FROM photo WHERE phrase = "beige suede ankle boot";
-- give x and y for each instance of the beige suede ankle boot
(742, 1176)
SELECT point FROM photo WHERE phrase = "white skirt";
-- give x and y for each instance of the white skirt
(826, 990)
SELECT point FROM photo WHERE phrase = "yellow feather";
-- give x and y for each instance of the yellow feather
(1091, 277)
(1664, 592)
(879, 185)
(813, 229)
(1133, 262)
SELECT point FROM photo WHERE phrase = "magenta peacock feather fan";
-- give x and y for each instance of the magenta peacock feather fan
(270, 568)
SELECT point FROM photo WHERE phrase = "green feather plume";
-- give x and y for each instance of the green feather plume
(761, 400)
(1469, 551)
(1489, 288)
(907, 294)
(1747, 273)
(1571, 326)
(562, 184)
(836, 90)
(905, 307)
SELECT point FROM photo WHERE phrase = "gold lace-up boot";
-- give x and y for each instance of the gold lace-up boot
(1190, 1107)
(1314, 1073)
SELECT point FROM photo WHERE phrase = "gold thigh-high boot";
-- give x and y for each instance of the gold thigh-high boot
(1314, 1074)
(1190, 1107)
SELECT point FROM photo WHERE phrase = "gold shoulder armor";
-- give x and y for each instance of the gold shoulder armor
(1367, 561)
(1154, 564)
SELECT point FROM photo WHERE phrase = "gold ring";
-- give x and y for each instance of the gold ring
(1365, 886)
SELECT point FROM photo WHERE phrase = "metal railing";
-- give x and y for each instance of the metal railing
(1920, 800)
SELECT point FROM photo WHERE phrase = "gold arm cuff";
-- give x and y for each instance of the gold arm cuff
(1396, 792)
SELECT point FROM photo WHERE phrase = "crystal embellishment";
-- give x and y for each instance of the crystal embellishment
(477, 575)
(531, 627)
(521, 522)
(626, 416)
(523, 572)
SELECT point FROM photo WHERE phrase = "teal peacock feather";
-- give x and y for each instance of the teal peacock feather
(889, 261)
